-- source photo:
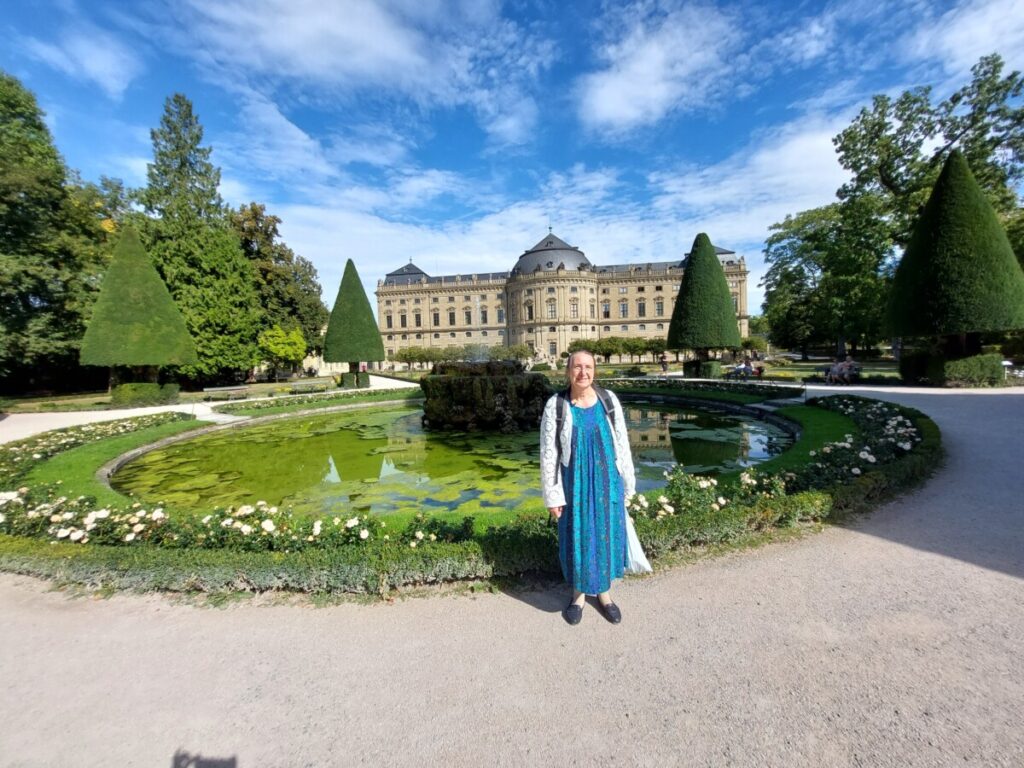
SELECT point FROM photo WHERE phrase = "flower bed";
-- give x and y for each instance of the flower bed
(17, 458)
(43, 533)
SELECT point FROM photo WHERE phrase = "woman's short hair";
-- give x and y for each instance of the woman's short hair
(572, 355)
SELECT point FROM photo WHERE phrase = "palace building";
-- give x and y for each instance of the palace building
(550, 298)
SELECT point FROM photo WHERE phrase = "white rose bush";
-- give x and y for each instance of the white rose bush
(51, 532)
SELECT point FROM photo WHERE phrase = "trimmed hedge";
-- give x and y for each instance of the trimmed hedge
(528, 545)
(141, 394)
(977, 371)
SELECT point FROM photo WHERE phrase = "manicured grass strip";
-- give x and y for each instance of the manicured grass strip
(817, 427)
(75, 470)
(240, 409)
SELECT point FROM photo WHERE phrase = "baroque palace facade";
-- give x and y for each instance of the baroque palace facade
(551, 297)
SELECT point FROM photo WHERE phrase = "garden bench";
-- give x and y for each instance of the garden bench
(303, 387)
(226, 393)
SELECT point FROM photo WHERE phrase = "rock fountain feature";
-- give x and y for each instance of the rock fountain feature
(484, 396)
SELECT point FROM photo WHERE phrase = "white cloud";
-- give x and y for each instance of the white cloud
(653, 67)
(442, 53)
(272, 146)
(88, 54)
(970, 30)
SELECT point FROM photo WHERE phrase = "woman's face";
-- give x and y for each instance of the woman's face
(581, 370)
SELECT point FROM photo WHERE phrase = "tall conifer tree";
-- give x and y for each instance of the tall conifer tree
(135, 321)
(352, 333)
(703, 318)
(195, 250)
(959, 275)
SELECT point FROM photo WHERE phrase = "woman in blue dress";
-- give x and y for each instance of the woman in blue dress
(586, 476)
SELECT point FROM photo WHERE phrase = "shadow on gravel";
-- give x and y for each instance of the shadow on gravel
(972, 509)
(546, 595)
(185, 760)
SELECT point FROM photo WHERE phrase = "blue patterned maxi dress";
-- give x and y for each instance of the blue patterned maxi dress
(591, 530)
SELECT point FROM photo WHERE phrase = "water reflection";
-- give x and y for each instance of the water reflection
(381, 461)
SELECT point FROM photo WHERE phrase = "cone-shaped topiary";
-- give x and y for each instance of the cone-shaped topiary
(352, 333)
(959, 274)
(135, 322)
(703, 317)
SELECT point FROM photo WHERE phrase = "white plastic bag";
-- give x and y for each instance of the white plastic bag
(636, 560)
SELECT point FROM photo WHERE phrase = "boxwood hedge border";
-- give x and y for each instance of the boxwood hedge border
(526, 547)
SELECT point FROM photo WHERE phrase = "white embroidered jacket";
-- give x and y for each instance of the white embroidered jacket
(550, 472)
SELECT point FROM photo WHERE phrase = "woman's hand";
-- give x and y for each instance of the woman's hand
(556, 512)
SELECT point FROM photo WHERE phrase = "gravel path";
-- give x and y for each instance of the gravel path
(894, 641)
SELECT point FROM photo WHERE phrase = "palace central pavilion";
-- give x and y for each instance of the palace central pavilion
(551, 297)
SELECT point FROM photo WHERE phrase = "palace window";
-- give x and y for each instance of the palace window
(641, 308)
(575, 328)
(451, 317)
(483, 316)
(390, 337)
(437, 318)
(607, 328)
(553, 348)
(466, 298)
(415, 301)
(402, 302)
(657, 287)
(419, 335)
(551, 290)
(593, 311)
(437, 335)
(403, 320)
(641, 327)
(501, 332)
(434, 300)
(606, 310)
(501, 315)
(735, 304)
(624, 328)
(468, 317)
(469, 333)
(604, 290)
(405, 337)
(552, 310)
(639, 289)
(483, 333)
(451, 299)
(623, 289)
(659, 307)
(660, 326)
(574, 289)
(387, 303)
(529, 311)
(389, 321)
(529, 291)
(574, 308)
(551, 329)
(451, 334)
(623, 308)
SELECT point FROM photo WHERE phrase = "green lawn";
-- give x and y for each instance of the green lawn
(75, 469)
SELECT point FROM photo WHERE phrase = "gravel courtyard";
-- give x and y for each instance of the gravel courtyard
(895, 640)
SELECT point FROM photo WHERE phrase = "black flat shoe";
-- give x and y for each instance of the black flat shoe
(573, 614)
(611, 612)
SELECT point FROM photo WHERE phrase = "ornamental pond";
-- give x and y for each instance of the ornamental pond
(381, 461)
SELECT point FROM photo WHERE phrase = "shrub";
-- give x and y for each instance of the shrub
(703, 369)
(980, 370)
(140, 394)
(349, 380)
(363, 379)
(541, 367)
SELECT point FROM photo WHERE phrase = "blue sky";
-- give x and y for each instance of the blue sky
(455, 131)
